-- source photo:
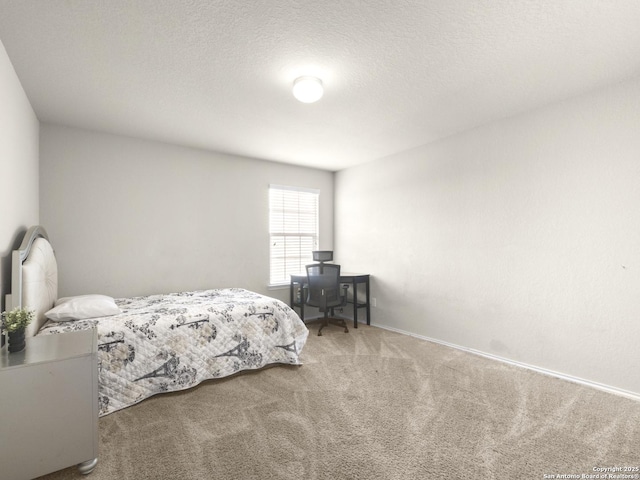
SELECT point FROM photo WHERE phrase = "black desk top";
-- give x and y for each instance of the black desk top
(343, 275)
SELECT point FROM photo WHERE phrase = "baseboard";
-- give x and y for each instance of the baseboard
(570, 378)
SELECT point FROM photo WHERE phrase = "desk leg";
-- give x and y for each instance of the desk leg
(355, 304)
(368, 303)
(291, 299)
(291, 294)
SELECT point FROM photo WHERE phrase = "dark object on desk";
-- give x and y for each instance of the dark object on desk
(323, 284)
(322, 256)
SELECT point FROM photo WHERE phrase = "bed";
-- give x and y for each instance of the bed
(165, 342)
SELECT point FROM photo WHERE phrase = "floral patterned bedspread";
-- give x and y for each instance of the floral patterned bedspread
(165, 343)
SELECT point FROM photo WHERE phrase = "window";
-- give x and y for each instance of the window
(293, 230)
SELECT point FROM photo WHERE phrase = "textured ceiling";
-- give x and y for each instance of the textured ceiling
(217, 74)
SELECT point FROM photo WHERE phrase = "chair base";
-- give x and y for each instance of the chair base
(339, 322)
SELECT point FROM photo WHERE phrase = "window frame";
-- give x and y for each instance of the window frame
(291, 264)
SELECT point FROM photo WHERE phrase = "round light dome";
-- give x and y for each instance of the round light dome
(307, 89)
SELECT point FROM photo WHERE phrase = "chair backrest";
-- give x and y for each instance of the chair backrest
(323, 282)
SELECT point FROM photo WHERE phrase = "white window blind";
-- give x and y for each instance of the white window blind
(293, 230)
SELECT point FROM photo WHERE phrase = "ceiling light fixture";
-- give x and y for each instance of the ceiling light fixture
(307, 89)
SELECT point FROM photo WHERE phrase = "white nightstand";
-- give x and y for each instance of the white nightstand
(49, 405)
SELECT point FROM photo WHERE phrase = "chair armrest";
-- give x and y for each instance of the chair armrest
(344, 287)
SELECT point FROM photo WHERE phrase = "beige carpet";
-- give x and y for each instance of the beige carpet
(372, 404)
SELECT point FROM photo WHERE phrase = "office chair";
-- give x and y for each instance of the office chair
(323, 281)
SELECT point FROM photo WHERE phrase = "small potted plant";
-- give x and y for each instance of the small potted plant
(14, 323)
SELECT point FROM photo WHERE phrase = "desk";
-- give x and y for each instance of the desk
(354, 279)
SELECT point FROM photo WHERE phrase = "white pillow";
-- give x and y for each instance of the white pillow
(81, 307)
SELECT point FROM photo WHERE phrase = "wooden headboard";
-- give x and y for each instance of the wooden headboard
(34, 277)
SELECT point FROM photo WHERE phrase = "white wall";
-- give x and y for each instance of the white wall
(18, 168)
(519, 239)
(131, 217)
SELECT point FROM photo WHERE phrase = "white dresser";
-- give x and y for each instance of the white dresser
(49, 405)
